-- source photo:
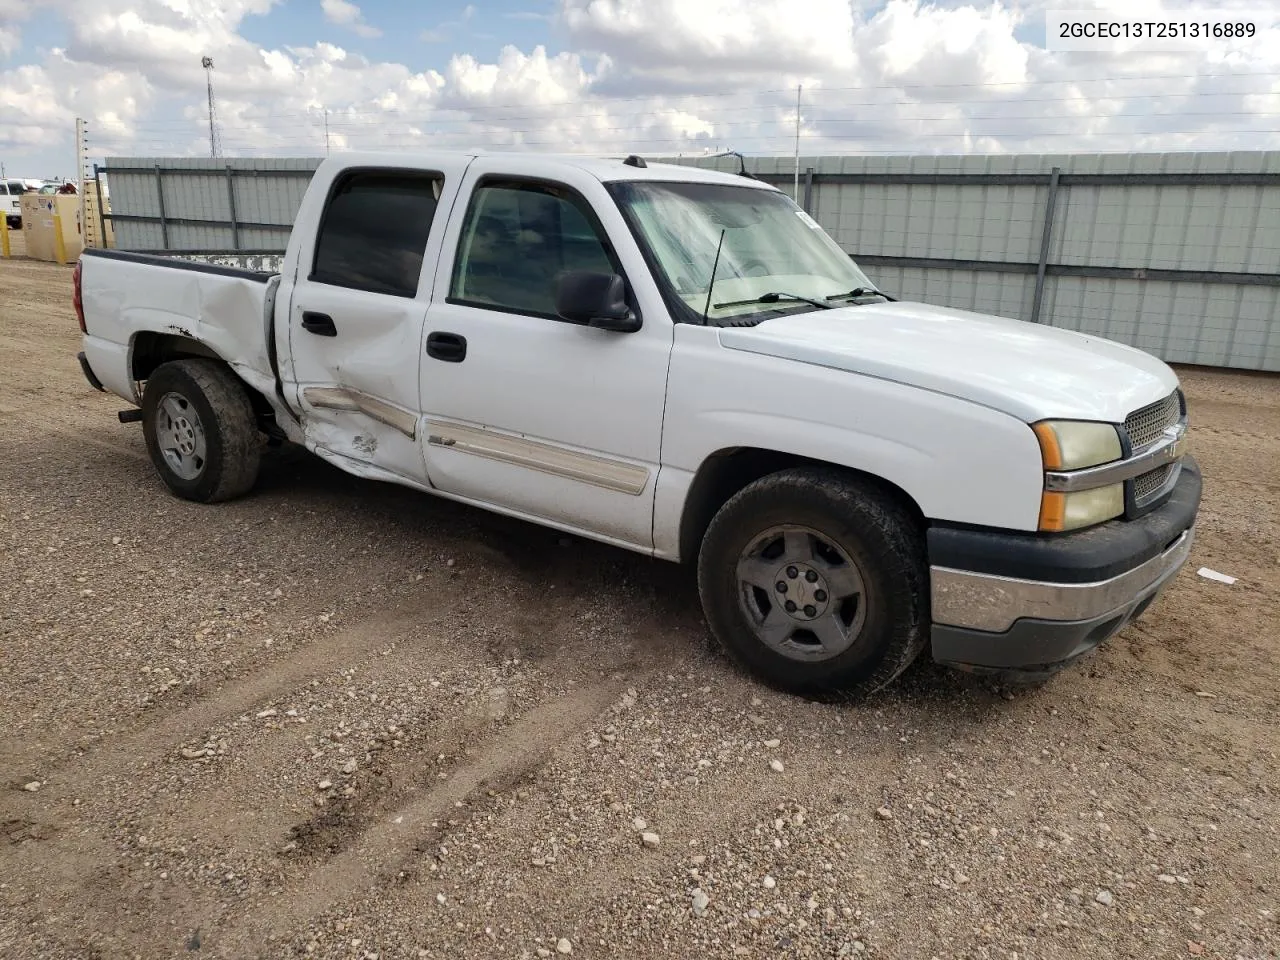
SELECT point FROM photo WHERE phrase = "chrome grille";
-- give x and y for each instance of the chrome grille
(1146, 484)
(1146, 424)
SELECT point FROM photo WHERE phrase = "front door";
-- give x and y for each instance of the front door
(356, 313)
(552, 420)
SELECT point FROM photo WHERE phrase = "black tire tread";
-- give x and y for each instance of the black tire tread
(240, 441)
(883, 518)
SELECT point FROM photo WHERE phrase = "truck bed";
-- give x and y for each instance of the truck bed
(176, 261)
(128, 296)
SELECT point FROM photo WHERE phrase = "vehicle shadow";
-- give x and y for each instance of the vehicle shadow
(540, 556)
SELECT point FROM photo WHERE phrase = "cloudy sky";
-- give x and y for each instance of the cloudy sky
(652, 76)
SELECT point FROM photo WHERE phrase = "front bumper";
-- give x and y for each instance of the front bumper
(1030, 604)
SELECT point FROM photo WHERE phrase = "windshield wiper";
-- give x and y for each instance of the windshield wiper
(773, 297)
(859, 292)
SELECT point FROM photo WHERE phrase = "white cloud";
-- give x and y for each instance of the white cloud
(345, 14)
(651, 76)
(923, 45)
(39, 105)
(10, 40)
(444, 31)
(761, 37)
(11, 13)
(530, 79)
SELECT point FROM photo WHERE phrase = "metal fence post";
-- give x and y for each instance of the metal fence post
(231, 204)
(808, 190)
(102, 206)
(164, 224)
(1045, 240)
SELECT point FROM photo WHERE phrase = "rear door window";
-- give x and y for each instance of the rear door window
(373, 235)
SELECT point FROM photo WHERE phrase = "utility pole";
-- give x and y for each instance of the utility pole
(795, 187)
(207, 63)
(82, 159)
(326, 131)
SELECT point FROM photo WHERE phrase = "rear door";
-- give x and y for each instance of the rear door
(356, 313)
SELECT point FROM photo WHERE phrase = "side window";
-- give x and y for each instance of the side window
(373, 234)
(517, 239)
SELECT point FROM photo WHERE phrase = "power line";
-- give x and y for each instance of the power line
(442, 116)
(819, 91)
(824, 117)
(905, 137)
(241, 136)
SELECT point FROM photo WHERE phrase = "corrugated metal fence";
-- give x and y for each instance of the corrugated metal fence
(206, 205)
(1178, 254)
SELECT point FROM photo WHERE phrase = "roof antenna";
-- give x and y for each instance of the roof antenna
(742, 163)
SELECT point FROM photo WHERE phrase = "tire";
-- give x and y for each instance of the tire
(809, 529)
(201, 430)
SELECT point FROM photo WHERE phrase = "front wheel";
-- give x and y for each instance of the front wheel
(201, 430)
(816, 582)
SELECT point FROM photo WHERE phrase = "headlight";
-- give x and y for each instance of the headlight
(1075, 445)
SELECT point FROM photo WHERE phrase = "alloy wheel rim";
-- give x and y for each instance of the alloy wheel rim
(802, 593)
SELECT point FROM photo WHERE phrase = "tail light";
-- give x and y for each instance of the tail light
(77, 300)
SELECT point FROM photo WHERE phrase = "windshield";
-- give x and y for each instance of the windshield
(770, 247)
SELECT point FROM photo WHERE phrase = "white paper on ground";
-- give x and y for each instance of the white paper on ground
(1215, 575)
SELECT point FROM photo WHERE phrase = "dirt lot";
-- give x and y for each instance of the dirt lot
(340, 719)
(17, 243)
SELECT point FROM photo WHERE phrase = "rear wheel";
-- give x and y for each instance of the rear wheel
(201, 430)
(815, 581)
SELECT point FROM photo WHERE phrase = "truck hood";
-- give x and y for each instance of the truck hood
(1026, 370)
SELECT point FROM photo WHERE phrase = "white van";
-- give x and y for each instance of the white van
(11, 192)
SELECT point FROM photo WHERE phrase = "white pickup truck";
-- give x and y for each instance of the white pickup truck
(682, 363)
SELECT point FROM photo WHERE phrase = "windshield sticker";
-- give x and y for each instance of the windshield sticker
(807, 220)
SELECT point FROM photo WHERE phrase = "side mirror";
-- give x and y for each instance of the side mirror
(595, 300)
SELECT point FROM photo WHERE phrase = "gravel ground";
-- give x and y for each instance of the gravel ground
(17, 243)
(339, 719)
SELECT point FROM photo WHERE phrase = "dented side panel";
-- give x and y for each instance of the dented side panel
(124, 298)
(222, 314)
(358, 390)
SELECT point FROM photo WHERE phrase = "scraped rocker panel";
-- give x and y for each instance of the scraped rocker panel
(342, 398)
(547, 458)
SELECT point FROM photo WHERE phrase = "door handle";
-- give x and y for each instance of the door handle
(321, 324)
(449, 347)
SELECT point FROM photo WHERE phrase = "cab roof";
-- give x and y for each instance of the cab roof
(605, 169)
(608, 169)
